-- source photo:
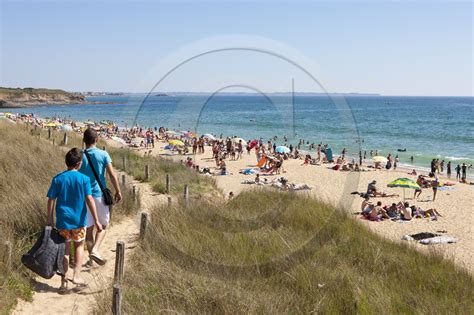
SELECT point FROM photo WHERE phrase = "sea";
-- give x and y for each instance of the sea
(424, 128)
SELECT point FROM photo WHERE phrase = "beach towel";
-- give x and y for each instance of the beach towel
(438, 240)
(446, 188)
(262, 161)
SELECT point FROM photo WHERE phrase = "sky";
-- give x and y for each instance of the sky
(390, 48)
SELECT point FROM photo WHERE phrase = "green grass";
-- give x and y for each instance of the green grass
(272, 252)
(26, 169)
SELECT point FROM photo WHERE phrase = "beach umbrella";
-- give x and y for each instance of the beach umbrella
(172, 132)
(236, 140)
(89, 123)
(282, 149)
(66, 128)
(404, 183)
(51, 124)
(253, 143)
(176, 142)
(209, 136)
(379, 159)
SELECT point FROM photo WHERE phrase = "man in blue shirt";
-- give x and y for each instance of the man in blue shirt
(103, 165)
(71, 190)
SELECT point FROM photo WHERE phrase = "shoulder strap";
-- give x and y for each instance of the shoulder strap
(94, 171)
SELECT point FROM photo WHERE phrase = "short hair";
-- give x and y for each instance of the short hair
(73, 157)
(379, 203)
(90, 136)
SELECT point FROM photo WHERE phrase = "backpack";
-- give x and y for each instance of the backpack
(45, 258)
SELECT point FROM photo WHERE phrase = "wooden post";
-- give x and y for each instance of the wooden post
(117, 300)
(123, 163)
(8, 256)
(65, 139)
(123, 179)
(186, 193)
(119, 261)
(169, 201)
(49, 133)
(143, 225)
(168, 183)
(134, 192)
(147, 172)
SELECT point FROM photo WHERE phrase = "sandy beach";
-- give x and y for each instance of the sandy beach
(335, 187)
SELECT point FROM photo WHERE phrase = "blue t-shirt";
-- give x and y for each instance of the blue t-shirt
(100, 159)
(70, 189)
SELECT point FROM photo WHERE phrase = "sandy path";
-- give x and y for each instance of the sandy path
(46, 300)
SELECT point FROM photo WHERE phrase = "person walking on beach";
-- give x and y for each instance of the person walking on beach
(71, 191)
(318, 151)
(395, 163)
(448, 169)
(458, 172)
(433, 166)
(102, 164)
(434, 184)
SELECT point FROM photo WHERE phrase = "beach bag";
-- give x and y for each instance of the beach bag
(106, 193)
(46, 257)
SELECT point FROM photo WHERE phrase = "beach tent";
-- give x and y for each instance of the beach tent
(329, 156)
(176, 142)
(208, 136)
(404, 183)
(282, 149)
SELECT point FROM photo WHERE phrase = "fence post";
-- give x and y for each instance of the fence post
(117, 300)
(123, 163)
(134, 192)
(169, 201)
(65, 139)
(119, 261)
(168, 183)
(186, 194)
(143, 225)
(123, 179)
(147, 172)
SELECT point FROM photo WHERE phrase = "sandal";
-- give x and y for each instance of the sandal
(99, 260)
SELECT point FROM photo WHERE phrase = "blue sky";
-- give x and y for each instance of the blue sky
(391, 48)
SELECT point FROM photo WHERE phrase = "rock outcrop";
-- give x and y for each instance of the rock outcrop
(29, 97)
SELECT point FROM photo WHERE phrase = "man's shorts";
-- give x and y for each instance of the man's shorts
(76, 235)
(103, 213)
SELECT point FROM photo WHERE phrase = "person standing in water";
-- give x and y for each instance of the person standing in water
(448, 169)
(458, 172)
(464, 172)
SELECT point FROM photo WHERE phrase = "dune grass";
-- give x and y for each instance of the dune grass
(27, 166)
(271, 252)
(158, 168)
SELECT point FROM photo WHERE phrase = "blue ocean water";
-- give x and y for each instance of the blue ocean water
(427, 127)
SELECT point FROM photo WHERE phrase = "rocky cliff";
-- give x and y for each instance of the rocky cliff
(29, 97)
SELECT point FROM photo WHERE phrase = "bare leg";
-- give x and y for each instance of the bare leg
(78, 255)
(67, 251)
(90, 238)
(99, 237)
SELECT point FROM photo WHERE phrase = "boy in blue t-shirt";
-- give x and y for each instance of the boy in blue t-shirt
(72, 190)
